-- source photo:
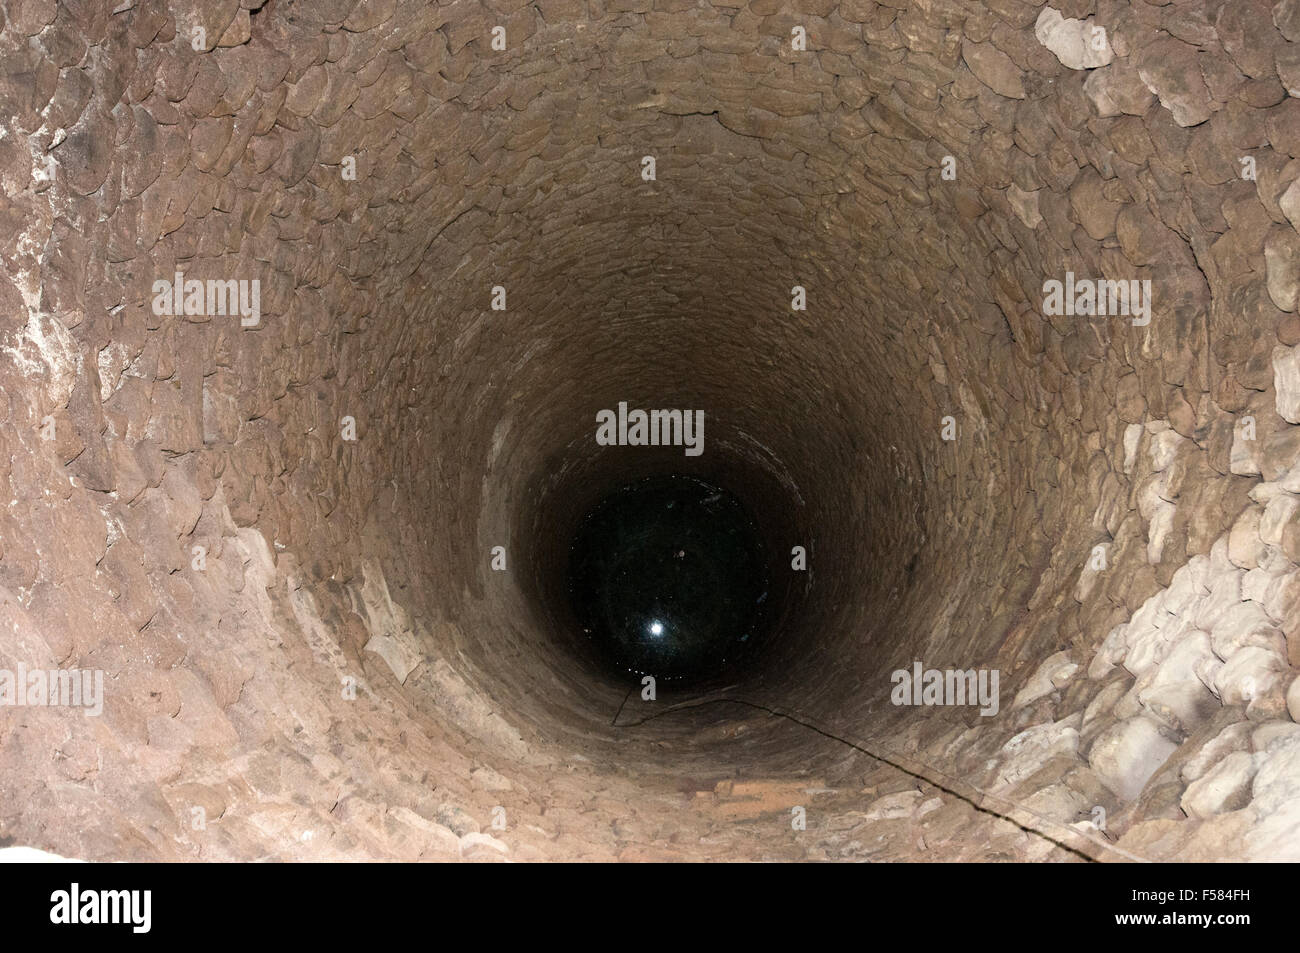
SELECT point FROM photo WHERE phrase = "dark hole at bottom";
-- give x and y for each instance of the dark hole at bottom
(668, 577)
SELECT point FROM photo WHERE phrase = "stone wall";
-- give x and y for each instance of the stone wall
(337, 673)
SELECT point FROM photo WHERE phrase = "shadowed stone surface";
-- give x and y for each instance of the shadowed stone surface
(667, 577)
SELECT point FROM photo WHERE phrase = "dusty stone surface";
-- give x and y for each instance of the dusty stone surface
(345, 677)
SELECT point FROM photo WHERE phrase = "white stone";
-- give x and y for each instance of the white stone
(1164, 449)
(1110, 653)
(1027, 751)
(1055, 671)
(1172, 692)
(391, 636)
(1277, 596)
(1290, 205)
(1078, 44)
(1241, 459)
(1225, 787)
(1132, 438)
(1277, 781)
(1276, 838)
(1250, 672)
(1157, 425)
(1179, 663)
(1254, 586)
(1286, 374)
(928, 807)
(1149, 614)
(1187, 586)
(1277, 514)
(1058, 801)
(1128, 753)
(1143, 637)
(475, 839)
(1207, 672)
(442, 839)
(1281, 272)
(1266, 491)
(1149, 645)
(1151, 495)
(1219, 561)
(1162, 524)
(1180, 706)
(1088, 578)
(1225, 592)
(1272, 732)
(1245, 623)
(1025, 205)
(1235, 737)
(1245, 548)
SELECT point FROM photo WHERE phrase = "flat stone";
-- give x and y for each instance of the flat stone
(1171, 70)
(1126, 755)
(1225, 787)
(994, 69)
(1078, 44)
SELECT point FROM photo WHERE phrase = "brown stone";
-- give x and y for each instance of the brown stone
(994, 69)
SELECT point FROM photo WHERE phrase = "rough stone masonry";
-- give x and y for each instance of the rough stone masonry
(273, 538)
